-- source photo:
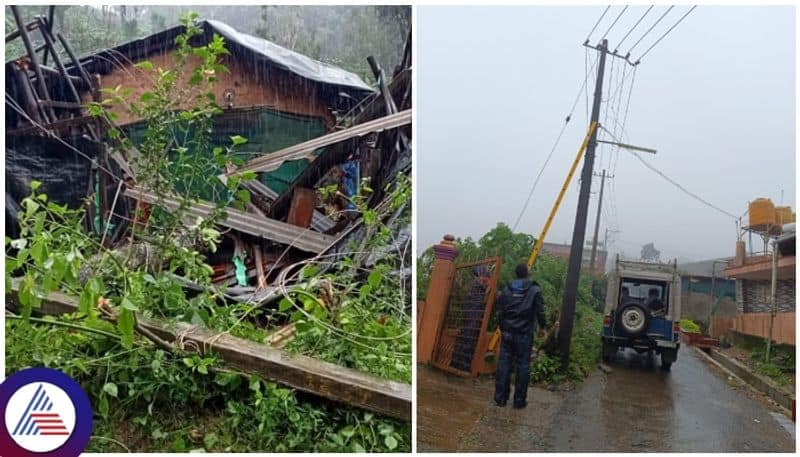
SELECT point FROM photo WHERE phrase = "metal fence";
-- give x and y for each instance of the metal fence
(463, 332)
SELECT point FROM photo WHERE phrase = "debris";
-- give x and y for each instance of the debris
(605, 368)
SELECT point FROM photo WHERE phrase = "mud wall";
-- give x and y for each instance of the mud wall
(245, 85)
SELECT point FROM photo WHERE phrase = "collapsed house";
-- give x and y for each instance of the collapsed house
(308, 125)
(304, 121)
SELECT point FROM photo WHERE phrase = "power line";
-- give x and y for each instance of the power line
(676, 184)
(555, 145)
(597, 23)
(614, 23)
(666, 33)
(650, 29)
(632, 29)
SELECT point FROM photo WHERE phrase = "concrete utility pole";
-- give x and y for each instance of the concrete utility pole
(597, 221)
(773, 295)
(579, 231)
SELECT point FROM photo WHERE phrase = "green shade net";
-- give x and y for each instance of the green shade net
(266, 131)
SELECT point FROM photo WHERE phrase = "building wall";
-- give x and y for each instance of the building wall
(562, 251)
(251, 86)
(696, 300)
(755, 296)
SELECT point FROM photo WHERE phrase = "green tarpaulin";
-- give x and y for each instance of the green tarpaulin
(266, 131)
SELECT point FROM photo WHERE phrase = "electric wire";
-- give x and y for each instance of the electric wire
(614, 23)
(555, 145)
(666, 33)
(597, 23)
(632, 29)
(650, 29)
(679, 186)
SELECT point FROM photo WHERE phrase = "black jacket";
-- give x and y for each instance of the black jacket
(520, 304)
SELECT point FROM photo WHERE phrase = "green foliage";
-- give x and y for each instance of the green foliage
(781, 363)
(550, 272)
(149, 400)
(366, 326)
(689, 326)
(150, 391)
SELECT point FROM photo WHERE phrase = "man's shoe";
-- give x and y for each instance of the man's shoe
(520, 405)
(500, 403)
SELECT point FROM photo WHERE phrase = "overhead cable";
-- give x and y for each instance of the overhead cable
(632, 29)
(614, 23)
(597, 23)
(650, 29)
(666, 33)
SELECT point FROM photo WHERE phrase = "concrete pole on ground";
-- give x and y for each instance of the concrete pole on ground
(441, 282)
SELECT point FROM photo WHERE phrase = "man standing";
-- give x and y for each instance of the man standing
(520, 304)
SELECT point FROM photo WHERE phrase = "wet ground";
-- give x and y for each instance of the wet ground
(637, 407)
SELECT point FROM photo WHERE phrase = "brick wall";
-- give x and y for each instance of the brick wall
(755, 296)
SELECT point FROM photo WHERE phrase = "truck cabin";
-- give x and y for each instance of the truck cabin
(653, 295)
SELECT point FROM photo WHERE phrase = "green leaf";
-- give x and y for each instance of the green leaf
(125, 324)
(102, 407)
(284, 304)
(210, 440)
(145, 65)
(148, 97)
(390, 442)
(35, 184)
(111, 389)
(238, 139)
(374, 278)
(128, 305)
(348, 431)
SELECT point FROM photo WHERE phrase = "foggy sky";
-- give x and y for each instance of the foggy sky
(716, 98)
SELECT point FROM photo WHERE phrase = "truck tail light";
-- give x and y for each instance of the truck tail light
(607, 321)
(676, 327)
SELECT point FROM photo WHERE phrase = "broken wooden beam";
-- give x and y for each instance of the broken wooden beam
(327, 380)
(319, 221)
(305, 150)
(269, 229)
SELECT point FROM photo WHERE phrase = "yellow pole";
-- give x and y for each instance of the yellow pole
(538, 246)
(495, 339)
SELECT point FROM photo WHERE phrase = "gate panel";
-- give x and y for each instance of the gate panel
(466, 317)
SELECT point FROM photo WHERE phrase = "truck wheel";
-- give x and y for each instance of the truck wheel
(633, 319)
(668, 356)
(608, 351)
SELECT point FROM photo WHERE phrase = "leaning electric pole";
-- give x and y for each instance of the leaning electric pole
(579, 231)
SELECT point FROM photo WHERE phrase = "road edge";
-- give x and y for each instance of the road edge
(786, 411)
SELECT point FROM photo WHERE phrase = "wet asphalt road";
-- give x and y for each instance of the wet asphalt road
(639, 407)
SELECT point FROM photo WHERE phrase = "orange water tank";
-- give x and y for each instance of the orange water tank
(762, 212)
(784, 215)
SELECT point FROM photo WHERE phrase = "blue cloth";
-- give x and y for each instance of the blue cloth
(515, 348)
(350, 182)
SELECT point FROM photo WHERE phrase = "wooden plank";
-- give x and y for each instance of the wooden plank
(270, 229)
(327, 380)
(305, 150)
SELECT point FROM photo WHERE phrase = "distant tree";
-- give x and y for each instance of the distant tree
(650, 253)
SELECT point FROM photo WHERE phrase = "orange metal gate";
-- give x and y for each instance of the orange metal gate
(463, 333)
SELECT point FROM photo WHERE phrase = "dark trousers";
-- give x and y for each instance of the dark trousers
(515, 348)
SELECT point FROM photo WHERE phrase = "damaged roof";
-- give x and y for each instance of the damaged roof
(263, 50)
